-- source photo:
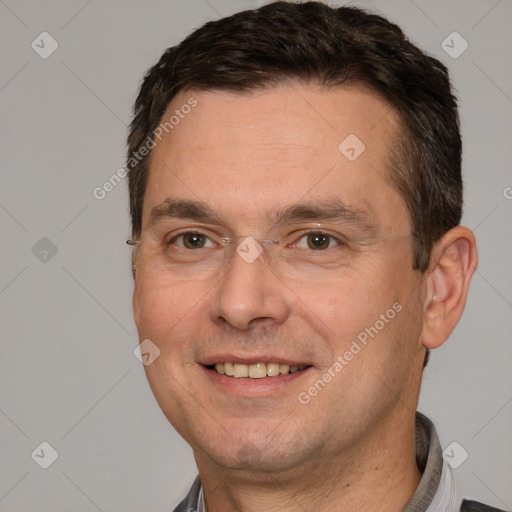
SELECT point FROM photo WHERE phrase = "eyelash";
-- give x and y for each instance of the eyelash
(338, 240)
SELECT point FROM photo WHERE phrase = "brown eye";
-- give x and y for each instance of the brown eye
(194, 240)
(191, 240)
(318, 241)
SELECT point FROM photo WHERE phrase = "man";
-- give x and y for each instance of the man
(295, 191)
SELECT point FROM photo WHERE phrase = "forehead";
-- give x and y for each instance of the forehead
(249, 154)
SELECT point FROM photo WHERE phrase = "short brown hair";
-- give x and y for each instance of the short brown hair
(314, 43)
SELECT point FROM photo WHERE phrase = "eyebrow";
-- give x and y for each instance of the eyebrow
(330, 210)
(180, 209)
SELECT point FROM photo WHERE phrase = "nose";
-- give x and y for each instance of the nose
(250, 294)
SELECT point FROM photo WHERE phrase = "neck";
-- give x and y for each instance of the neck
(378, 472)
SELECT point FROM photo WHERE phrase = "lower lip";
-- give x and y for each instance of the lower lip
(248, 387)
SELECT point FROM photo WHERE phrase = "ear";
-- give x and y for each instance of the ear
(454, 260)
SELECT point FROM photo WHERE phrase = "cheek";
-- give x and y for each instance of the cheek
(160, 308)
(366, 311)
(346, 303)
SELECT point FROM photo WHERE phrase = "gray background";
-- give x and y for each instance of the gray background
(68, 373)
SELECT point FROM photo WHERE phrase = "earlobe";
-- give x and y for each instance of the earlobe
(454, 260)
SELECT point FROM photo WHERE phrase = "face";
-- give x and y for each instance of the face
(334, 294)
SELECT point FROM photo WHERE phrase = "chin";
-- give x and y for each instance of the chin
(251, 458)
(255, 453)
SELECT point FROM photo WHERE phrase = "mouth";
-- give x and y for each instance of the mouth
(259, 370)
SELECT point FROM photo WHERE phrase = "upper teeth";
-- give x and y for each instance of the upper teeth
(255, 371)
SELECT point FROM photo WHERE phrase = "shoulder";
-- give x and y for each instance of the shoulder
(474, 506)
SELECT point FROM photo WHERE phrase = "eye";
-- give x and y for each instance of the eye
(317, 241)
(191, 240)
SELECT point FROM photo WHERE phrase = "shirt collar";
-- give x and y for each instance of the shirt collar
(436, 491)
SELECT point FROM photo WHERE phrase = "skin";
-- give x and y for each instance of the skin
(247, 156)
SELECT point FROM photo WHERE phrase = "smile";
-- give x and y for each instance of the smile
(255, 371)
